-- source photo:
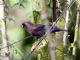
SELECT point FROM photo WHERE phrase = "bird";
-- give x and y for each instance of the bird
(38, 30)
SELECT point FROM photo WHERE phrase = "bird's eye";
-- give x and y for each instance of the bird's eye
(23, 25)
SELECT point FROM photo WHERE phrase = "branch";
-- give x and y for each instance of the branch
(5, 51)
(76, 36)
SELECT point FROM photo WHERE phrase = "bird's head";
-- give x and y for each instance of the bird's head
(28, 27)
(23, 25)
(26, 24)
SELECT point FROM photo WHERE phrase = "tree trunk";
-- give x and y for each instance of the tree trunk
(5, 47)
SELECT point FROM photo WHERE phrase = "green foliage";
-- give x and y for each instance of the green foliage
(43, 53)
(78, 54)
(79, 38)
(12, 2)
(36, 16)
(59, 53)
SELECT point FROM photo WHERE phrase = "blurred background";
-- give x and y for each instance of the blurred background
(62, 13)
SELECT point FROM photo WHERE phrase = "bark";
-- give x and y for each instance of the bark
(5, 51)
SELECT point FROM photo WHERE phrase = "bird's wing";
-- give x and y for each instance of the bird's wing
(39, 31)
(40, 27)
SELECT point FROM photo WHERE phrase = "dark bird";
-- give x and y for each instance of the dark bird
(38, 30)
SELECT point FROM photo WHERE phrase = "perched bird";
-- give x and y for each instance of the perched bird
(38, 30)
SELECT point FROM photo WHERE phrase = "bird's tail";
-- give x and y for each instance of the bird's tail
(57, 30)
(64, 30)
